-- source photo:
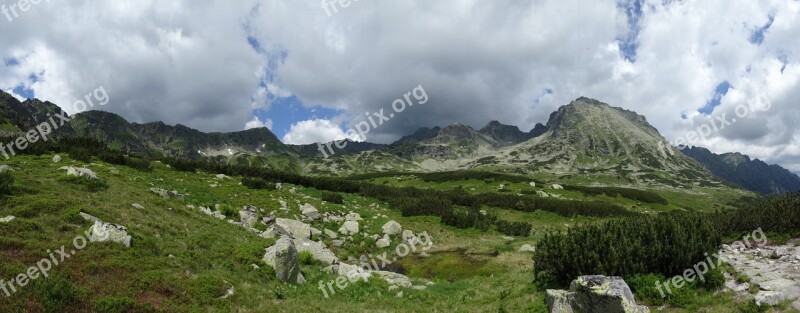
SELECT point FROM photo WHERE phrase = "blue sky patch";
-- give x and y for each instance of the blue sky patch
(719, 92)
(286, 111)
(758, 34)
(630, 42)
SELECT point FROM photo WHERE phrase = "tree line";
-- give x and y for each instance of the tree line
(664, 244)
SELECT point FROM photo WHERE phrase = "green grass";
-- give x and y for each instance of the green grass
(182, 260)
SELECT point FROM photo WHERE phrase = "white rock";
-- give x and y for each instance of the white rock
(331, 234)
(138, 206)
(310, 211)
(5, 168)
(79, 171)
(349, 228)
(533, 184)
(353, 217)
(293, 228)
(527, 248)
(102, 232)
(7, 219)
(383, 242)
(56, 158)
(392, 228)
(557, 187)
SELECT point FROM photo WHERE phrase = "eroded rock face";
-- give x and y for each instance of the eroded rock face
(594, 293)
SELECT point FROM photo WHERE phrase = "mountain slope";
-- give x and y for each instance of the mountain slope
(590, 137)
(755, 175)
(159, 139)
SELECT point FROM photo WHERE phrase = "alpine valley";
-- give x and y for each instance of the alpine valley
(593, 205)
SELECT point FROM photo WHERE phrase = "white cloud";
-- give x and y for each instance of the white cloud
(479, 60)
(257, 123)
(313, 131)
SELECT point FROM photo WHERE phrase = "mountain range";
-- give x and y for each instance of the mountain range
(586, 140)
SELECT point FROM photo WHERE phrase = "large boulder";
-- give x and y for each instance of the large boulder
(594, 293)
(107, 232)
(392, 228)
(349, 228)
(248, 215)
(295, 229)
(79, 171)
(283, 257)
(316, 249)
(310, 212)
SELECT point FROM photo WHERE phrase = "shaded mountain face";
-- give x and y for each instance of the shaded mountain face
(17, 117)
(753, 175)
(352, 147)
(159, 139)
(505, 135)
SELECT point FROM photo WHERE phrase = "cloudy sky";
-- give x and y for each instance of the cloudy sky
(309, 70)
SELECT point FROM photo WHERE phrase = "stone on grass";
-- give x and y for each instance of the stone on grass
(349, 228)
(5, 168)
(166, 194)
(392, 228)
(107, 232)
(79, 171)
(293, 228)
(248, 216)
(331, 234)
(527, 248)
(310, 211)
(383, 242)
(138, 206)
(283, 258)
(56, 158)
(7, 219)
(316, 249)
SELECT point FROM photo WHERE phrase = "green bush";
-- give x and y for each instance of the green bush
(258, 183)
(305, 258)
(714, 279)
(517, 229)
(332, 197)
(6, 183)
(644, 287)
(59, 293)
(81, 154)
